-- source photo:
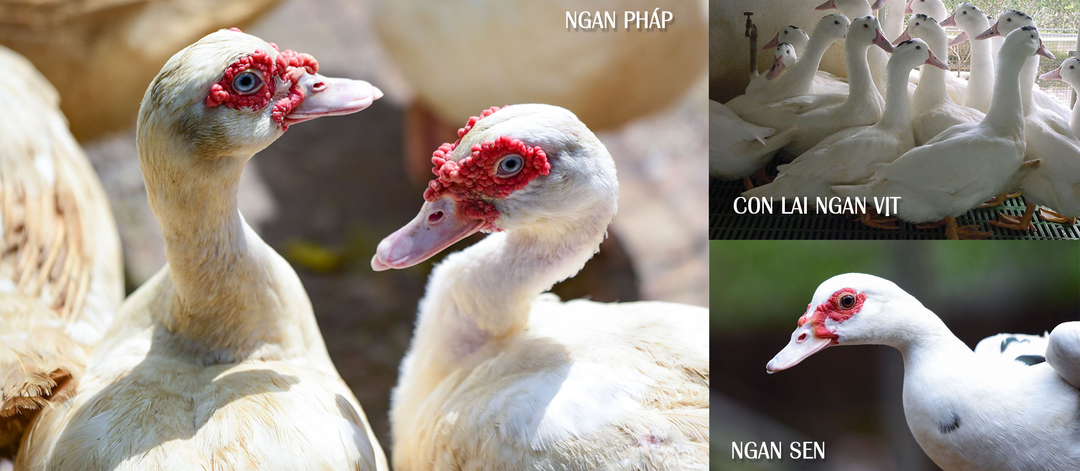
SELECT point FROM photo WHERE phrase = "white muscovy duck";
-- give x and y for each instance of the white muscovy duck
(1034, 98)
(968, 163)
(217, 361)
(932, 110)
(1069, 72)
(737, 148)
(862, 107)
(799, 80)
(972, 21)
(824, 82)
(967, 411)
(501, 377)
(848, 157)
(876, 59)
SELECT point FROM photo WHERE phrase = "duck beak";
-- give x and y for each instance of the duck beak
(879, 4)
(326, 96)
(803, 344)
(773, 43)
(1052, 75)
(959, 39)
(438, 226)
(934, 61)
(829, 5)
(1043, 51)
(905, 36)
(989, 33)
(777, 67)
(907, 8)
(879, 39)
(950, 21)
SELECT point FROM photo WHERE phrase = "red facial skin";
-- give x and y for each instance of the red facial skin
(831, 309)
(470, 179)
(288, 66)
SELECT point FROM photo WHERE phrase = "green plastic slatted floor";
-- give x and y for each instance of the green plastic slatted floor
(724, 224)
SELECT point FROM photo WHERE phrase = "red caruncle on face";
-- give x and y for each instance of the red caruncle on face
(477, 175)
(288, 66)
(839, 307)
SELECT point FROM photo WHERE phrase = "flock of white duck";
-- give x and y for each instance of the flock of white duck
(1012, 403)
(217, 361)
(944, 145)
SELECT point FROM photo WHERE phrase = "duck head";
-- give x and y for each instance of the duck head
(933, 8)
(833, 26)
(868, 30)
(849, 309)
(535, 168)
(1068, 72)
(922, 27)
(1008, 21)
(790, 34)
(913, 53)
(969, 18)
(234, 93)
(783, 57)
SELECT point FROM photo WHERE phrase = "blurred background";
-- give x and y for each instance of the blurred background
(761, 288)
(328, 191)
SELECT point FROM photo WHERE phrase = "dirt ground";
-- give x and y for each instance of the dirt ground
(328, 191)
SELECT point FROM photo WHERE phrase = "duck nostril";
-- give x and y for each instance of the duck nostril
(319, 86)
(802, 338)
(435, 217)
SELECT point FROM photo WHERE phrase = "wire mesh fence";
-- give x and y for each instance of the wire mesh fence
(1061, 42)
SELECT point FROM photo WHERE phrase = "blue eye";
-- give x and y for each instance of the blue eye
(510, 165)
(247, 82)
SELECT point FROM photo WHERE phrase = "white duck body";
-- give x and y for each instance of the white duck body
(875, 58)
(824, 82)
(849, 156)
(1034, 98)
(737, 148)
(892, 23)
(217, 361)
(575, 386)
(967, 411)
(863, 105)
(796, 82)
(932, 110)
(980, 85)
(1069, 72)
(1023, 348)
(955, 86)
(966, 165)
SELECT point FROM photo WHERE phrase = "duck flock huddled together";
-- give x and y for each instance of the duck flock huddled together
(944, 145)
(217, 362)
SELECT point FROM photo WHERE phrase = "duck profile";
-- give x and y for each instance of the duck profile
(217, 361)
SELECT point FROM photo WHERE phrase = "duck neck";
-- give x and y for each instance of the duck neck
(931, 89)
(1074, 122)
(897, 115)
(1006, 108)
(981, 75)
(861, 85)
(482, 295)
(1027, 82)
(928, 342)
(800, 79)
(230, 298)
(894, 21)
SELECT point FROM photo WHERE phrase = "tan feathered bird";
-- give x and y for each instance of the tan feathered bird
(61, 278)
(217, 361)
(501, 377)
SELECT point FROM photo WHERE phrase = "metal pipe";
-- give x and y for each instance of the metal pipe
(751, 32)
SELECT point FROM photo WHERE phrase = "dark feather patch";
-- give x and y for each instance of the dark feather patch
(1005, 343)
(1031, 359)
(949, 427)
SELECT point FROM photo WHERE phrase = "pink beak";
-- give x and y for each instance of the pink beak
(437, 227)
(802, 345)
(879, 4)
(879, 39)
(773, 43)
(905, 36)
(989, 33)
(829, 5)
(950, 21)
(1043, 51)
(959, 39)
(325, 96)
(934, 61)
(777, 67)
(907, 8)
(1053, 74)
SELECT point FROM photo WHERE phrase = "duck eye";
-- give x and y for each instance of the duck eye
(1072, 67)
(836, 22)
(1008, 20)
(247, 82)
(963, 13)
(866, 26)
(847, 301)
(510, 166)
(918, 48)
